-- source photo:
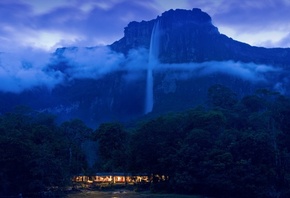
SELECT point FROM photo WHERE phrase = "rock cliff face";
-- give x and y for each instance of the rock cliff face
(190, 36)
(193, 56)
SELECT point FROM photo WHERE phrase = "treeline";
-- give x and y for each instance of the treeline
(38, 156)
(233, 147)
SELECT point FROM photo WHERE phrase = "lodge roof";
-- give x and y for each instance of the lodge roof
(114, 174)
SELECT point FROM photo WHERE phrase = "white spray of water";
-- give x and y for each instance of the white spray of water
(153, 61)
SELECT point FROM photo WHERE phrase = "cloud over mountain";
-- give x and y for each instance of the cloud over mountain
(23, 70)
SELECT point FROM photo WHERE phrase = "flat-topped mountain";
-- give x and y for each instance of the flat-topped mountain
(111, 83)
(190, 36)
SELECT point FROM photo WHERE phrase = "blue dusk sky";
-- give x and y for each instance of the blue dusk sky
(56, 23)
(32, 29)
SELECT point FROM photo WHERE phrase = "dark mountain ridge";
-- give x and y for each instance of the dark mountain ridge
(190, 36)
(188, 40)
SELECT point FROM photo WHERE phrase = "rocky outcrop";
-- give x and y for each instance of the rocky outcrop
(186, 36)
(189, 36)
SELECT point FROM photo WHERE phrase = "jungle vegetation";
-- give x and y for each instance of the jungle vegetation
(232, 147)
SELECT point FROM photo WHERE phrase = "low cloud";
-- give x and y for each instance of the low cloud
(28, 68)
(24, 70)
(246, 71)
(136, 64)
(31, 68)
(91, 62)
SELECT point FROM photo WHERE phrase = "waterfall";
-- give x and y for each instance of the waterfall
(152, 61)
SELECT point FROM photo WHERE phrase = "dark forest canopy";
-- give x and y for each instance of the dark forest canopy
(36, 154)
(234, 147)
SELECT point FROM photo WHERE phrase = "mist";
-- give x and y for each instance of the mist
(29, 68)
(246, 71)
(24, 69)
(92, 62)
